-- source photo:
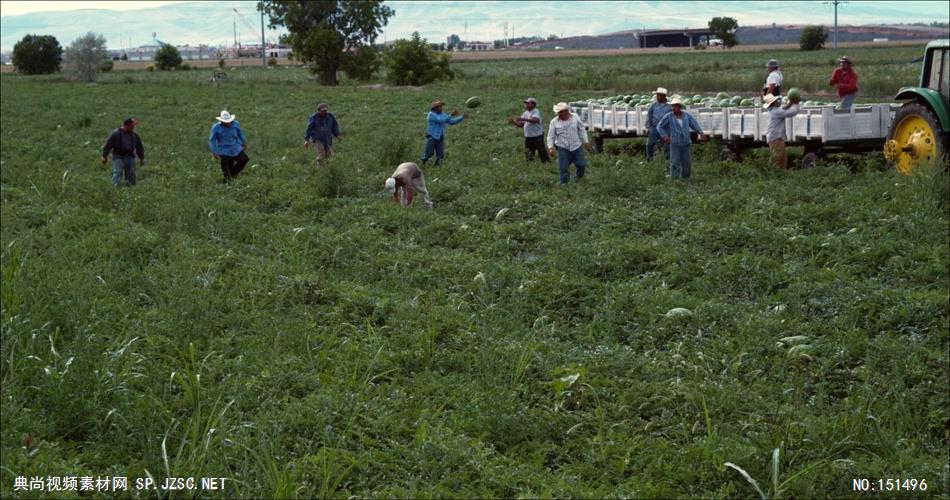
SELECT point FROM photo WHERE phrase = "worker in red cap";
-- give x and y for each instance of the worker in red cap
(125, 145)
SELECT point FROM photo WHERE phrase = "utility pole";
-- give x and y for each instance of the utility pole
(834, 37)
(263, 47)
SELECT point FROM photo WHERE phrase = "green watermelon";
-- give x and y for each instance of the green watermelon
(722, 95)
(793, 92)
(473, 102)
(746, 102)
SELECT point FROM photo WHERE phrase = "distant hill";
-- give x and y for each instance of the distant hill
(752, 35)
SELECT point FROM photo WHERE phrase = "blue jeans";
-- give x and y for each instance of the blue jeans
(654, 138)
(681, 162)
(847, 100)
(434, 145)
(565, 158)
(123, 166)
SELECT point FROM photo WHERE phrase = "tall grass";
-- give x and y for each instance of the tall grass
(306, 341)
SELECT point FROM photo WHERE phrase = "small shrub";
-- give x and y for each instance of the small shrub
(221, 63)
(106, 65)
(272, 61)
(699, 46)
(150, 67)
(813, 38)
(185, 67)
(167, 57)
(412, 62)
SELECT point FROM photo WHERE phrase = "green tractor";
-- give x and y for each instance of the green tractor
(920, 132)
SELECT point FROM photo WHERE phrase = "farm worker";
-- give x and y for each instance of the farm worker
(846, 80)
(773, 84)
(322, 127)
(675, 127)
(776, 131)
(228, 144)
(125, 145)
(530, 121)
(406, 180)
(655, 113)
(567, 133)
(435, 130)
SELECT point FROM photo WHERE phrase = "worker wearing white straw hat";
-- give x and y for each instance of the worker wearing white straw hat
(655, 113)
(567, 133)
(776, 136)
(675, 128)
(227, 143)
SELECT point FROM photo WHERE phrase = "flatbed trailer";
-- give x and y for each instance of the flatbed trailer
(821, 130)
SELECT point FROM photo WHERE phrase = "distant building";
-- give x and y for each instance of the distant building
(673, 38)
(478, 46)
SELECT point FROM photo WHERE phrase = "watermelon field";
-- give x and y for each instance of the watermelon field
(752, 333)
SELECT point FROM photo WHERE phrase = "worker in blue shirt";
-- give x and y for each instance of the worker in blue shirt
(228, 144)
(435, 131)
(655, 113)
(675, 127)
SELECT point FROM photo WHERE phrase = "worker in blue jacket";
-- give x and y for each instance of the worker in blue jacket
(675, 127)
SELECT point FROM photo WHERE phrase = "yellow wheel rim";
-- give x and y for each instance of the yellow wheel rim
(915, 144)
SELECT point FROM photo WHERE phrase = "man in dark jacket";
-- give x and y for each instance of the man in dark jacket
(321, 129)
(125, 145)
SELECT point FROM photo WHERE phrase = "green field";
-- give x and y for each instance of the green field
(300, 336)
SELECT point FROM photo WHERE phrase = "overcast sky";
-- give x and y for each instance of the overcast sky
(132, 23)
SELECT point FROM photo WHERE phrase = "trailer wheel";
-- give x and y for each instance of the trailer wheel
(913, 139)
(810, 160)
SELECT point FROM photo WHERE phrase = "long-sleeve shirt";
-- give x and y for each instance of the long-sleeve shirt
(124, 144)
(227, 141)
(677, 128)
(437, 123)
(568, 134)
(322, 129)
(777, 117)
(656, 112)
(847, 81)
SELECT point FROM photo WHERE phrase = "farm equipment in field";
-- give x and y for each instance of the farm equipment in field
(821, 130)
(911, 135)
(919, 134)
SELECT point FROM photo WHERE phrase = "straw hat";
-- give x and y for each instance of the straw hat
(225, 117)
(660, 90)
(561, 106)
(676, 100)
(769, 99)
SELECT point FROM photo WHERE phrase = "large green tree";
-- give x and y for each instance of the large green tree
(37, 55)
(724, 28)
(85, 55)
(331, 35)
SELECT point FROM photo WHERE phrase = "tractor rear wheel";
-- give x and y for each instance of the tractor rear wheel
(913, 140)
